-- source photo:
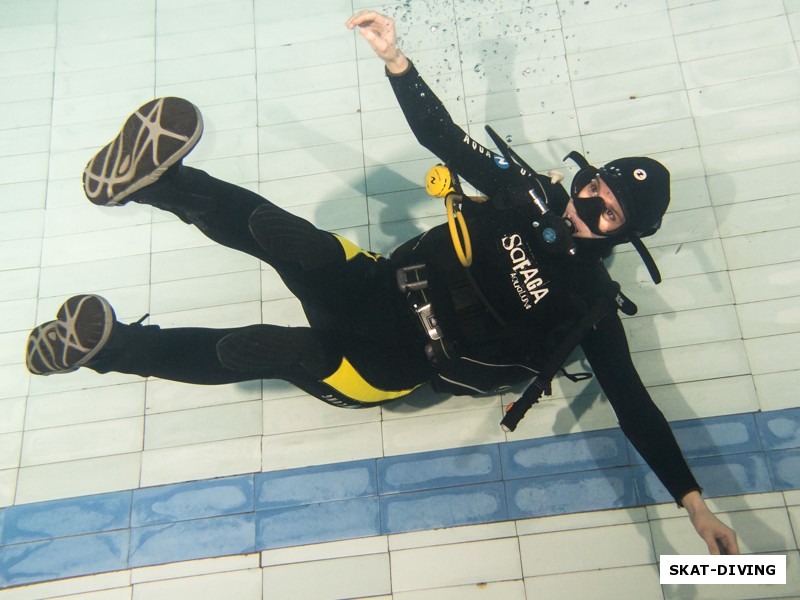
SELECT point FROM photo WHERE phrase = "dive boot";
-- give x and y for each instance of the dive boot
(155, 137)
(82, 328)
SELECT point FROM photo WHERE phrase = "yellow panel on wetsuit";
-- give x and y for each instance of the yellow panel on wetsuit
(350, 383)
(351, 250)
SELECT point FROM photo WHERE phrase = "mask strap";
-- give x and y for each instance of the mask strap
(647, 258)
(578, 159)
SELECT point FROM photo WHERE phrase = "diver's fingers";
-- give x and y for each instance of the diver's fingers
(366, 18)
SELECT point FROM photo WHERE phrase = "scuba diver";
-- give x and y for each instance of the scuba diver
(501, 299)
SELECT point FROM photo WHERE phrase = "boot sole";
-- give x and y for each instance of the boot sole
(155, 137)
(48, 344)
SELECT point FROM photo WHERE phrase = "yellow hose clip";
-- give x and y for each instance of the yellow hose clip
(439, 184)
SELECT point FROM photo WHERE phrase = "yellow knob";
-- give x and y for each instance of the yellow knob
(439, 181)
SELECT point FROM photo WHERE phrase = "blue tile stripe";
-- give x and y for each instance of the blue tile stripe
(730, 455)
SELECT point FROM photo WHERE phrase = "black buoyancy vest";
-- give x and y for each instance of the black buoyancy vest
(516, 303)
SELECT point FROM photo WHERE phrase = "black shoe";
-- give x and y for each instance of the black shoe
(81, 330)
(155, 137)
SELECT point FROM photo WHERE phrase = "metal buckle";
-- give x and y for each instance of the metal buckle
(423, 309)
(428, 320)
(404, 285)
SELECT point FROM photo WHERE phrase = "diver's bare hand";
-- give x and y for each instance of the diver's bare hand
(379, 31)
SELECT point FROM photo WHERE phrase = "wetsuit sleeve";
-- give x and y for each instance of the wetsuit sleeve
(435, 130)
(606, 349)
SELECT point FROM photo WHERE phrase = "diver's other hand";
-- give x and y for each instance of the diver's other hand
(719, 538)
(379, 31)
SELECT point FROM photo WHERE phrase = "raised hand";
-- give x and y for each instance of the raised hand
(379, 31)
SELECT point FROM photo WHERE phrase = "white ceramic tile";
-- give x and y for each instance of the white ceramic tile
(200, 292)
(168, 396)
(14, 380)
(317, 26)
(82, 441)
(8, 485)
(325, 551)
(69, 587)
(204, 17)
(586, 549)
(682, 328)
(351, 577)
(448, 430)
(458, 564)
(744, 93)
(66, 280)
(113, 82)
(223, 316)
(757, 216)
(24, 138)
(762, 249)
(26, 62)
(20, 254)
(26, 87)
(314, 105)
(755, 152)
(78, 478)
(111, 243)
(17, 315)
(246, 583)
(90, 30)
(264, 10)
(117, 53)
(77, 11)
(201, 461)
(792, 497)
(777, 391)
(740, 66)
(28, 37)
(24, 195)
(113, 594)
(304, 412)
(758, 531)
(762, 283)
(307, 80)
(708, 398)
(199, 262)
(230, 90)
(312, 161)
(322, 446)
(213, 66)
(18, 285)
(749, 35)
(617, 59)
(13, 411)
(581, 521)
(10, 446)
(633, 583)
(85, 406)
(747, 123)
(773, 354)
(772, 317)
(208, 424)
(191, 568)
(198, 43)
(689, 363)
(707, 15)
(495, 590)
(451, 536)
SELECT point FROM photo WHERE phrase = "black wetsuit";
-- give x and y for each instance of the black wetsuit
(364, 344)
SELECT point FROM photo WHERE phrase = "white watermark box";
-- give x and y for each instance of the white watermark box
(724, 569)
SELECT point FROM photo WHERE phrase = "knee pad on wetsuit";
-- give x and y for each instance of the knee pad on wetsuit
(289, 239)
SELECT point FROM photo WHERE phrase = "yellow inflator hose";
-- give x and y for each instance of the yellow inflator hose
(439, 183)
